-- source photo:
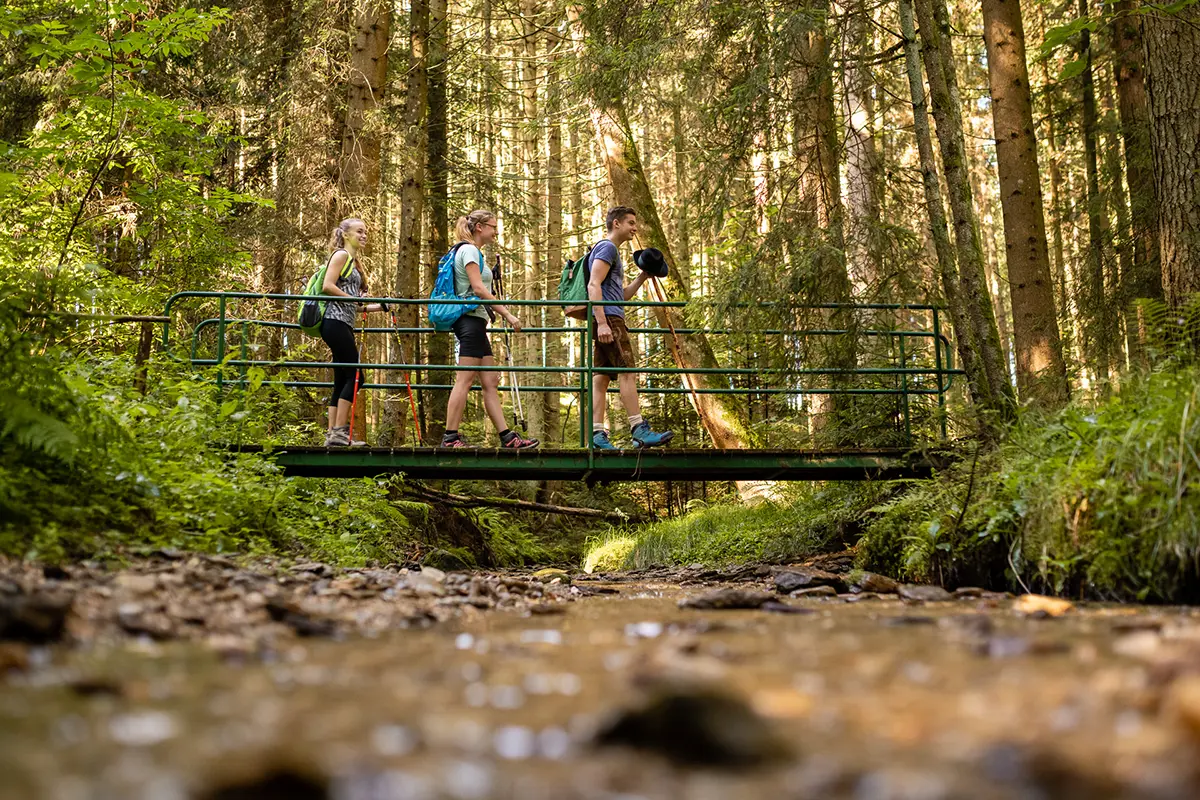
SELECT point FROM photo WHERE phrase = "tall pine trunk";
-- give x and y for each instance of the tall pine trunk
(935, 209)
(438, 166)
(720, 417)
(864, 252)
(361, 141)
(1145, 279)
(1041, 373)
(1097, 339)
(411, 163)
(994, 389)
(1173, 84)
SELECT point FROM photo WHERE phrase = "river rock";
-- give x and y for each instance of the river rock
(696, 726)
(1037, 605)
(800, 578)
(277, 785)
(777, 607)
(729, 598)
(300, 621)
(922, 593)
(34, 618)
(815, 591)
(1184, 703)
(873, 582)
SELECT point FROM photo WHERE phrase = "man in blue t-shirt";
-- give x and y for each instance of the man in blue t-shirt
(613, 347)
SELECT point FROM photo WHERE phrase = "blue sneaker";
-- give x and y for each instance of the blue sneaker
(600, 441)
(644, 437)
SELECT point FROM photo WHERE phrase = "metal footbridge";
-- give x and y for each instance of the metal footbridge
(899, 374)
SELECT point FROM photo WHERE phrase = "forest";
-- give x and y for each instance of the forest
(1031, 170)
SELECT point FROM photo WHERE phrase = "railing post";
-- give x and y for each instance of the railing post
(588, 382)
(221, 346)
(243, 356)
(904, 389)
(937, 359)
(584, 422)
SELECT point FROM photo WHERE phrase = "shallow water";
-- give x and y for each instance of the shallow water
(874, 699)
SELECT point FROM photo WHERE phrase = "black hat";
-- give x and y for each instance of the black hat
(651, 260)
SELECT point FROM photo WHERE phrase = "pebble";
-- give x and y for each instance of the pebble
(142, 728)
(923, 593)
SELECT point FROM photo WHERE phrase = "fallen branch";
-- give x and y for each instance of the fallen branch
(469, 501)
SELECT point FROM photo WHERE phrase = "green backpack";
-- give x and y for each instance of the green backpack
(572, 287)
(312, 312)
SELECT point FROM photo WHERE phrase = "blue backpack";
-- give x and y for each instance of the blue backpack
(444, 315)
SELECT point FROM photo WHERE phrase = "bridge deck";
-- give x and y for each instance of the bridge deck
(619, 465)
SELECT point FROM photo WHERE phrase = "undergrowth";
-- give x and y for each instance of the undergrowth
(809, 519)
(90, 467)
(1099, 500)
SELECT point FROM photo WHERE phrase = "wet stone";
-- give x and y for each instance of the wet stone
(1014, 646)
(726, 599)
(300, 621)
(908, 621)
(700, 726)
(34, 619)
(280, 785)
(922, 593)
(777, 607)
(873, 582)
(814, 591)
(791, 580)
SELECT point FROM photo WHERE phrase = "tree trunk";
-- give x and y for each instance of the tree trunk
(1041, 373)
(1097, 339)
(556, 353)
(361, 142)
(683, 243)
(977, 380)
(437, 162)
(976, 308)
(529, 348)
(1173, 84)
(720, 417)
(863, 247)
(411, 163)
(1145, 279)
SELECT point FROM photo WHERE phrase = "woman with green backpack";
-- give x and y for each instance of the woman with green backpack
(344, 278)
(473, 279)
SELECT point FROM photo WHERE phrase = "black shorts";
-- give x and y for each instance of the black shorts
(472, 336)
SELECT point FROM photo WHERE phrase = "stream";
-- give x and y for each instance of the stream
(473, 687)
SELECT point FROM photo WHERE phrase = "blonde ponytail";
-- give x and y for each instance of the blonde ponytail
(464, 229)
(337, 239)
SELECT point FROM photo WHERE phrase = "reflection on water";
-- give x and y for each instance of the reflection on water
(873, 700)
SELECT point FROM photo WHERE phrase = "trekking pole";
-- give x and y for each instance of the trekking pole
(518, 409)
(354, 397)
(411, 402)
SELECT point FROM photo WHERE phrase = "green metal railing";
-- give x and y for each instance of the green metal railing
(912, 380)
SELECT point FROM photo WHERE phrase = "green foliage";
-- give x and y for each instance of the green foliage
(112, 159)
(813, 518)
(1099, 500)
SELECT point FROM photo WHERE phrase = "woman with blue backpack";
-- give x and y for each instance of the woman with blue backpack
(344, 278)
(473, 279)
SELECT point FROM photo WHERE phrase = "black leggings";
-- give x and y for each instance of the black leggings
(340, 338)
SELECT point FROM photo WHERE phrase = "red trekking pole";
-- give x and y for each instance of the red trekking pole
(354, 397)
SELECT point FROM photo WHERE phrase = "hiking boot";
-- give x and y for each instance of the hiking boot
(517, 442)
(340, 437)
(455, 441)
(600, 441)
(644, 437)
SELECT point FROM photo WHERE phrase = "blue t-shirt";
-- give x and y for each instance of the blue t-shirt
(613, 285)
(470, 254)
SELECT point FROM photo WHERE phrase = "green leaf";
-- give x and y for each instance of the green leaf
(1072, 69)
